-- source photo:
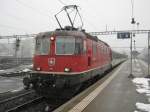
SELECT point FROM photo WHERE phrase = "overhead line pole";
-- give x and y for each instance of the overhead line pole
(148, 53)
(131, 75)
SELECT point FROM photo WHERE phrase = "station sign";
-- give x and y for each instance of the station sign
(123, 35)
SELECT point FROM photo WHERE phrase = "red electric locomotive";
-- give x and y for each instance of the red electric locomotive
(65, 58)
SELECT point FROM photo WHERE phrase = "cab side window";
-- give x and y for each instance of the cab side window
(78, 46)
(94, 46)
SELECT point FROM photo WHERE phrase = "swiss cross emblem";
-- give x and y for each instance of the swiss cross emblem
(51, 61)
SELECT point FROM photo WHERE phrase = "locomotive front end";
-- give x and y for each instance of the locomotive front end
(60, 58)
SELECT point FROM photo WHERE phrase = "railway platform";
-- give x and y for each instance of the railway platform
(116, 93)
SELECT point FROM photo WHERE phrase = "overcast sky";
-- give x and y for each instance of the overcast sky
(34, 16)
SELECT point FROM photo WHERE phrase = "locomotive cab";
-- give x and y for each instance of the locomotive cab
(60, 52)
(60, 57)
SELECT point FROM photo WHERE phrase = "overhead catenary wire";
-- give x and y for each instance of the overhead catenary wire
(132, 7)
(14, 16)
(17, 19)
(127, 47)
(60, 1)
(88, 22)
(91, 24)
(32, 8)
(23, 20)
(14, 28)
(43, 13)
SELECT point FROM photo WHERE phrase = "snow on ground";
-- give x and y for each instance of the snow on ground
(26, 70)
(143, 87)
(136, 111)
(141, 81)
(1, 70)
(143, 107)
(19, 89)
(31, 65)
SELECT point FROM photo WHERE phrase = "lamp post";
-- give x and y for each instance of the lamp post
(134, 45)
(134, 53)
(132, 34)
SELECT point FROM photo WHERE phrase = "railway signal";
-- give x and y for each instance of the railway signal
(17, 45)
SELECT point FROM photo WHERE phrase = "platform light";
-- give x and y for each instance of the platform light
(52, 38)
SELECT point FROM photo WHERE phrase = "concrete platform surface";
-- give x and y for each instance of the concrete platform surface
(118, 93)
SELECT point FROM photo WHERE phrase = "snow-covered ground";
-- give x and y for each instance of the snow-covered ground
(19, 69)
(143, 87)
(143, 107)
(26, 70)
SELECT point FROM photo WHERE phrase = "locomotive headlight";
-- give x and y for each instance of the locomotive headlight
(52, 38)
(67, 69)
(38, 68)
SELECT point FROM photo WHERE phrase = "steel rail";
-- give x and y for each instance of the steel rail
(21, 106)
(15, 97)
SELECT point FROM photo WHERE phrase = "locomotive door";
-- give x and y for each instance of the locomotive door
(89, 52)
(89, 61)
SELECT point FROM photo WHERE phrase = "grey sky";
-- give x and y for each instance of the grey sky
(34, 16)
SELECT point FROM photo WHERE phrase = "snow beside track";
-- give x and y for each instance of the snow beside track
(143, 87)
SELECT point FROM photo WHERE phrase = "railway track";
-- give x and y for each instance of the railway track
(14, 74)
(22, 106)
(7, 65)
(15, 102)
(10, 94)
(28, 102)
(10, 65)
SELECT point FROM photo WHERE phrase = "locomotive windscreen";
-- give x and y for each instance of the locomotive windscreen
(42, 46)
(65, 45)
(68, 45)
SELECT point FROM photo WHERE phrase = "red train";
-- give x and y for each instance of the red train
(65, 58)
